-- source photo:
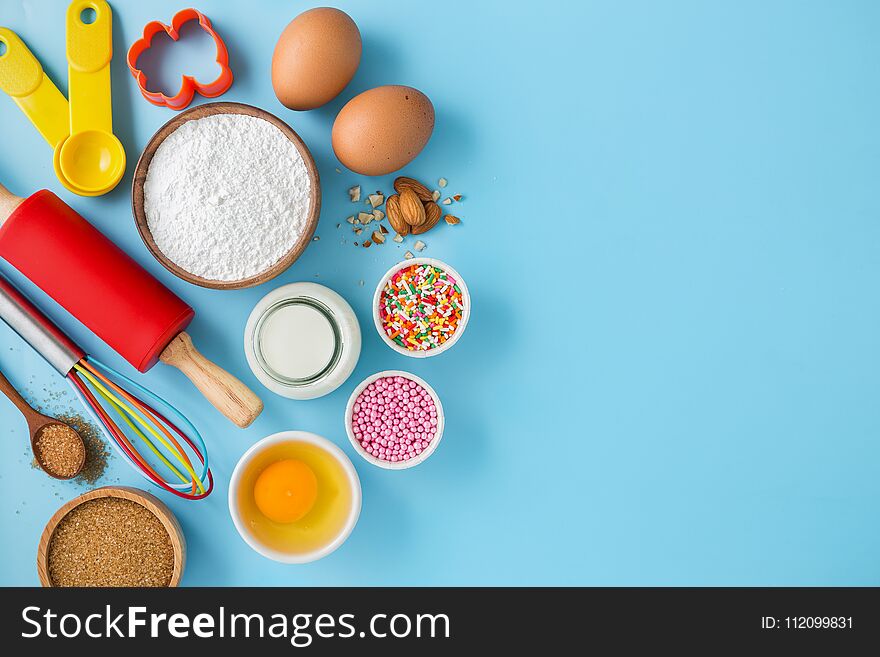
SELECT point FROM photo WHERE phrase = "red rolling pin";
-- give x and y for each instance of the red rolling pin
(112, 295)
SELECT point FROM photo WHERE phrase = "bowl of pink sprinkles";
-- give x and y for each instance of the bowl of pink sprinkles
(394, 419)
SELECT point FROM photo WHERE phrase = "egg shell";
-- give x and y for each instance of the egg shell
(316, 55)
(383, 129)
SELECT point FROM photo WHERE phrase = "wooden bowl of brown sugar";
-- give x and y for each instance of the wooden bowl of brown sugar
(112, 537)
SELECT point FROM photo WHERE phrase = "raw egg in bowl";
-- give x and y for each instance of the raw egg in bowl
(294, 497)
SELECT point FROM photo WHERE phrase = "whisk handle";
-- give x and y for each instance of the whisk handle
(37, 330)
(228, 395)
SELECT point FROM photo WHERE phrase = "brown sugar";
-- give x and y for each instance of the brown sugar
(60, 450)
(97, 451)
(110, 541)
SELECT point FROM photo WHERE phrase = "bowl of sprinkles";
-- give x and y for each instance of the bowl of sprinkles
(394, 420)
(421, 307)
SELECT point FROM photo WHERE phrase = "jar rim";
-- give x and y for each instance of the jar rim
(325, 312)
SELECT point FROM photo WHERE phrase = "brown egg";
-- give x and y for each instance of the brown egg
(316, 55)
(383, 129)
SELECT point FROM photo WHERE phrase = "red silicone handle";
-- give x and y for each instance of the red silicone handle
(97, 282)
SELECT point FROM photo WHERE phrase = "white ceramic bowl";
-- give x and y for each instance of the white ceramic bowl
(465, 316)
(271, 441)
(399, 465)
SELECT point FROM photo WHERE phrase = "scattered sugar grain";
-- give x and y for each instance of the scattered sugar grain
(97, 451)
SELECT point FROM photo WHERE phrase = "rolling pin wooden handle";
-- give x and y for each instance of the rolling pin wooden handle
(8, 203)
(228, 395)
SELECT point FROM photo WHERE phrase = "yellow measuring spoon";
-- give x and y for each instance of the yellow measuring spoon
(22, 77)
(92, 158)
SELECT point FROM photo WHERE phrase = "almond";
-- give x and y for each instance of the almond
(395, 216)
(411, 208)
(432, 214)
(420, 190)
(452, 219)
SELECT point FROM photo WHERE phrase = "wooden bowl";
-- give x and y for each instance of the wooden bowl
(199, 112)
(153, 504)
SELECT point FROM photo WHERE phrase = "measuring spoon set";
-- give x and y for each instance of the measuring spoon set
(88, 158)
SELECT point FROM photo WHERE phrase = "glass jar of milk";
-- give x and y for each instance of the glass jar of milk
(302, 340)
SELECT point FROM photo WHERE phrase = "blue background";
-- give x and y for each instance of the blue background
(670, 231)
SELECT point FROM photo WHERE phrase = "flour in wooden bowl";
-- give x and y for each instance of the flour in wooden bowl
(226, 196)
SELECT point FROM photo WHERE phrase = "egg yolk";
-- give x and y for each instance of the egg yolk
(286, 490)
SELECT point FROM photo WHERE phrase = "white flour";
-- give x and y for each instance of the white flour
(226, 196)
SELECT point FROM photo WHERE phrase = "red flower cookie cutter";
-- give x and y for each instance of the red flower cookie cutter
(189, 85)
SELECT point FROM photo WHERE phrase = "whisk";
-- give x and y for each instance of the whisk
(124, 409)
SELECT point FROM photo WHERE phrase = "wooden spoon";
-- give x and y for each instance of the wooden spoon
(37, 423)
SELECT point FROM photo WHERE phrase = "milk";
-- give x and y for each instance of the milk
(302, 340)
(297, 341)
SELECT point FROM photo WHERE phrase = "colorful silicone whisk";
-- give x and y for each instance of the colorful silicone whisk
(162, 445)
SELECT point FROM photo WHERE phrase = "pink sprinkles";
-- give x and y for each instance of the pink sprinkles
(394, 419)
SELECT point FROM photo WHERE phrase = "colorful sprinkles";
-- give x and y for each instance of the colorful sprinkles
(421, 307)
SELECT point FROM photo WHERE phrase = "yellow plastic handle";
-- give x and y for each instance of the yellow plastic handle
(89, 51)
(22, 77)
